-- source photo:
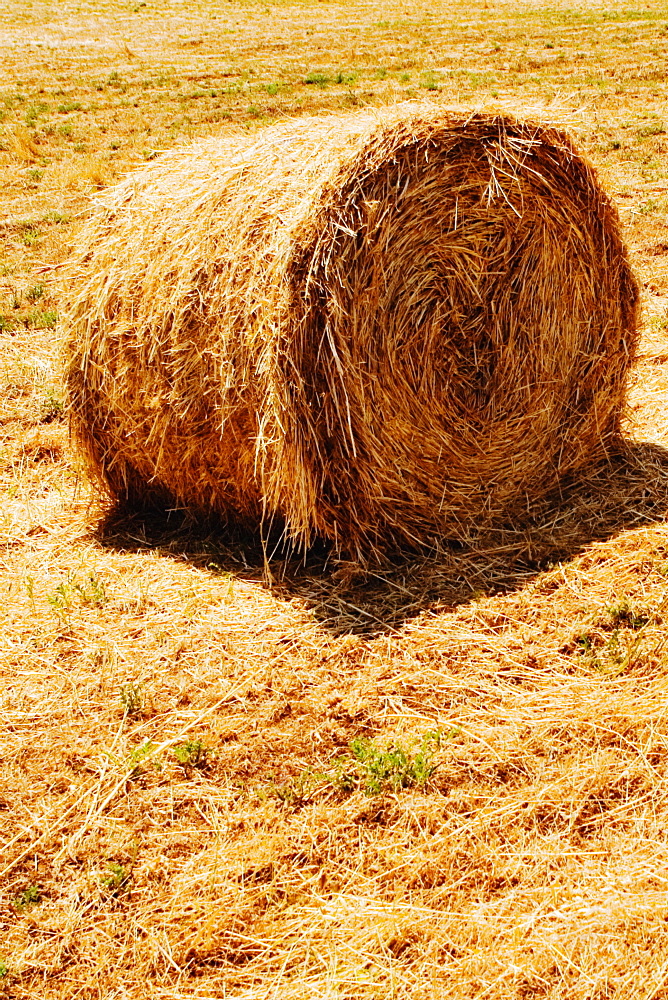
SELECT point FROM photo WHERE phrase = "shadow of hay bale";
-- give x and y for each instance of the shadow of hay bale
(630, 491)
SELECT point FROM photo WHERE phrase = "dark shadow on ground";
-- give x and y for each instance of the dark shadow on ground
(628, 492)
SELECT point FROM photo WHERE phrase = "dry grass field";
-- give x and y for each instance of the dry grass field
(449, 780)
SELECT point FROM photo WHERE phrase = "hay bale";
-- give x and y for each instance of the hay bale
(377, 327)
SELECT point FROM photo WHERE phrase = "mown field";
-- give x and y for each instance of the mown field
(445, 780)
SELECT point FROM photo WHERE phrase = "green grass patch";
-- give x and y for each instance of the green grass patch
(317, 79)
(67, 106)
(45, 320)
(367, 767)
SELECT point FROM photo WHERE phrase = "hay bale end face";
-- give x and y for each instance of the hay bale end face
(377, 328)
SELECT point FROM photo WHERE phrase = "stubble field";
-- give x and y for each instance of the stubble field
(445, 780)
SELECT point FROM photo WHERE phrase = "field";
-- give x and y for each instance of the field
(217, 779)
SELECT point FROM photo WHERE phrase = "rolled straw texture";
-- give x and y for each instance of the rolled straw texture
(379, 328)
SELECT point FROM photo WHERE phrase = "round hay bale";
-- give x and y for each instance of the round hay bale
(379, 328)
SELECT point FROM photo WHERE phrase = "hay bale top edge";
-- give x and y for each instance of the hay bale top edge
(337, 141)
